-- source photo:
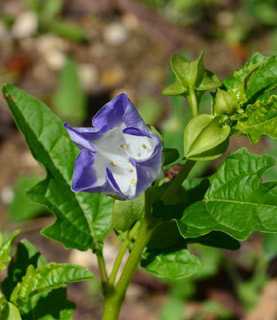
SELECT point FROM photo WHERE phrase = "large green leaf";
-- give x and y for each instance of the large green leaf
(237, 202)
(5, 250)
(83, 220)
(260, 119)
(171, 264)
(46, 278)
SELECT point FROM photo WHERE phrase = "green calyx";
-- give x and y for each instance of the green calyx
(225, 103)
(206, 138)
(190, 75)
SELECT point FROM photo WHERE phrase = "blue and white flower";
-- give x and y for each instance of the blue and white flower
(119, 154)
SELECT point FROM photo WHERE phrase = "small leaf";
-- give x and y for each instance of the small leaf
(237, 202)
(260, 119)
(6, 249)
(125, 213)
(172, 264)
(174, 89)
(45, 278)
(204, 137)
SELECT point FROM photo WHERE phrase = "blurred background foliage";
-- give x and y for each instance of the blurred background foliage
(76, 55)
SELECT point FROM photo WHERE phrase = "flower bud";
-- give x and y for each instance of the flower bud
(205, 138)
(225, 103)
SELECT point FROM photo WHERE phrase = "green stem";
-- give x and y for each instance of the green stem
(121, 253)
(178, 180)
(115, 297)
(103, 272)
(193, 102)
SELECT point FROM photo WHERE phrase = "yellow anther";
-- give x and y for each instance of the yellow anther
(130, 164)
(132, 181)
(123, 146)
(144, 146)
(114, 164)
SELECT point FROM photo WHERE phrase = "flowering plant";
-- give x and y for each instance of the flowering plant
(119, 182)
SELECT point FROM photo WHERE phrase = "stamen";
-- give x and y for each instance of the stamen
(131, 165)
(132, 181)
(123, 146)
(144, 146)
(114, 164)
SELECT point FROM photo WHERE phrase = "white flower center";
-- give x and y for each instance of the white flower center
(114, 149)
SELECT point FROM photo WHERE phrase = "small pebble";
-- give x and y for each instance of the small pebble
(25, 25)
(115, 34)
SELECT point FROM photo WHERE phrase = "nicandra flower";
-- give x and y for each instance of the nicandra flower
(119, 154)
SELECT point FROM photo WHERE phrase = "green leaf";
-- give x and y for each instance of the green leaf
(26, 254)
(270, 245)
(237, 202)
(175, 89)
(237, 83)
(68, 30)
(205, 138)
(21, 208)
(208, 82)
(48, 277)
(10, 312)
(166, 235)
(171, 264)
(125, 213)
(170, 155)
(50, 305)
(265, 77)
(69, 99)
(217, 240)
(83, 219)
(6, 249)
(259, 119)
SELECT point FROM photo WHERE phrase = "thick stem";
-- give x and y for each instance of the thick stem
(115, 297)
(178, 180)
(193, 102)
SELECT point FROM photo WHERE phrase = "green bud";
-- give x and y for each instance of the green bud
(205, 138)
(225, 103)
(125, 213)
